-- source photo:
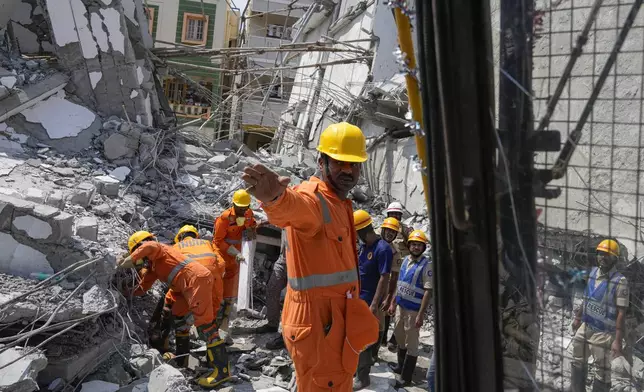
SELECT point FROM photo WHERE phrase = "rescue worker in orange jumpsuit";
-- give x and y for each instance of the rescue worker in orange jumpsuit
(229, 229)
(175, 306)
(325, 324)
(188, 279)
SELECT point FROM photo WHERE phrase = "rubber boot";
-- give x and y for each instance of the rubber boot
(577, 378)
(361, 379)
(383, 340)
(218, 360)
(600, 386)
(397, 367)
(407, 372)
(183, 349)
(392, 345)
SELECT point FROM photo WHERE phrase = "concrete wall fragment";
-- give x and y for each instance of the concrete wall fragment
(104, 47)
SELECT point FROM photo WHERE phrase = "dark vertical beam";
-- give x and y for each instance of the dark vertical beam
(517, 215)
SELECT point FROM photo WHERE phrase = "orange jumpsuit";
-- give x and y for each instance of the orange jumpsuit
(324, 331)
(228, 234)
(206, 254)
(190, 279)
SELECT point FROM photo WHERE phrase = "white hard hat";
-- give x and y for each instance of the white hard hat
(395, 207)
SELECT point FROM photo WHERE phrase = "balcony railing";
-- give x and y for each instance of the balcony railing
(190, 111)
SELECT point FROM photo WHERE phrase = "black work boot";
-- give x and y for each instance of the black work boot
(392, 345)
(577, 378)
(183, 349)
(361, 379)
(398, 367)
(407, 372)
(383, 339)
(600, 386)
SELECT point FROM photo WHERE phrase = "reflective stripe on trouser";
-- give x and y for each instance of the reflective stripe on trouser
(590, 342)
(195, 283)
(209, 332)
(323, 280)
(175, 271)
(316, 353)
(276, 284)
(407, 334)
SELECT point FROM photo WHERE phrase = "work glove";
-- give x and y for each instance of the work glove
(239, 258)
(124, 261)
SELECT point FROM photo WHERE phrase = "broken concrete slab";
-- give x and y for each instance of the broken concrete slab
(120, 173)
(56, 199)
(119, 146)
(10, 147)
(63, 171)
(87, 227)
(7, 164)
(102, 209)
(106, 185)
(60, 118)
(143, 365)
(21, 375)
(99, 386)
(137, 386)
(83, 194)
(194, 151)
(30, 95)
(97, 300)
(73, 364)
(223, 161)
(165, 378)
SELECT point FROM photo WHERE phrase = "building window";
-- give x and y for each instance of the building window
(151, 17)
(278, 31)
(195, 29)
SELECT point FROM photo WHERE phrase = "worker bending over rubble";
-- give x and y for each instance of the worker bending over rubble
(193, 282)
(374, 261)
(324, 322)
(599, 322)
(412, 299)
(175, 306)
(230, 227)
(390, 231)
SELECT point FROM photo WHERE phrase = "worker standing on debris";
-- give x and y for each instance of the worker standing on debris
(412, 299)
(276, 283)
(193, 282)
(374, 261)
(599, 322)
(230, 227)
(395, 210)
(324, 322)
(188, 243)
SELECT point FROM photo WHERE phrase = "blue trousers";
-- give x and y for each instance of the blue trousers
(431, 373)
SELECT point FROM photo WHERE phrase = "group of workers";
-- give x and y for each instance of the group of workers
(405, 295)
(203, 279)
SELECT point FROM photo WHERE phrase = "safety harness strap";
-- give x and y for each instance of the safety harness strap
(323, 280)
(176, 270)
(200, 255)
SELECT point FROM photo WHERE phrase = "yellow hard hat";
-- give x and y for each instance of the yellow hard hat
(609, 246)
(241, 198)
(361, 219)
(391, 223)
(137, 238)
(186, 229)
(343, 142)
(418, 236)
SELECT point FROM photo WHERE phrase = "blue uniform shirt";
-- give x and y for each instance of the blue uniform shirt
(374, 260)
